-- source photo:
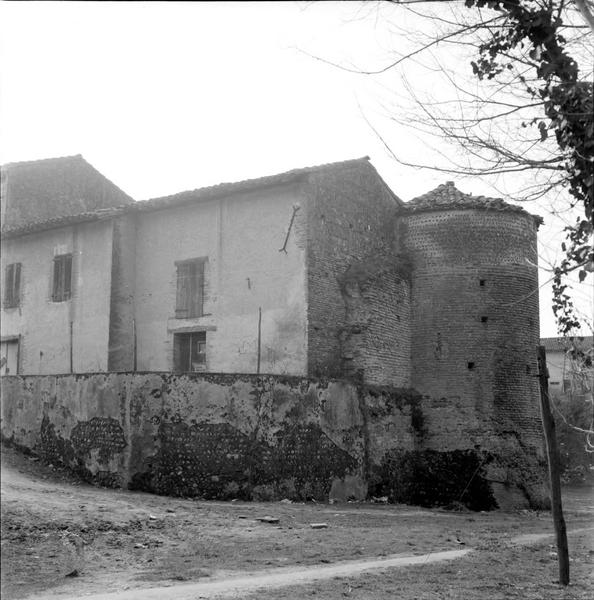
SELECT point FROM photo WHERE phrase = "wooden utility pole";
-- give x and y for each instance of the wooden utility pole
(548, 424)
(259, 339)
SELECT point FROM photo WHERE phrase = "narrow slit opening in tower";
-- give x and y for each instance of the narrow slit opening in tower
(482, 282)
(470, 366)
(484, 319)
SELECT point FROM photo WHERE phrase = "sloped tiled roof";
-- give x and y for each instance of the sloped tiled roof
(246, 185)
(190, 196)
(447, 197)
(44, 190)
(63, 221)
(562, 344)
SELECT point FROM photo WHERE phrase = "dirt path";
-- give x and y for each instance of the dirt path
(280, 578)
(258, 580)
(290, 576)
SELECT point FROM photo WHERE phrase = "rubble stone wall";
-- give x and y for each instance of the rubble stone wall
(252, 437)
(215, 436)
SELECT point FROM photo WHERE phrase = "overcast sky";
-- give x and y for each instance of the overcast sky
(163, 97)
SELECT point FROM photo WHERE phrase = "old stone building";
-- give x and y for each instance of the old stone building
(322, 274)
(56, 260)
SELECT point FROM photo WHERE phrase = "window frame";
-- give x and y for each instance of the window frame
(12, 285)
(62, 278)
(189, 343)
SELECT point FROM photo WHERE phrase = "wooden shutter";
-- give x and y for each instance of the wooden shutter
(62, 285)
(190, 289)
(184, 285)
(9, 285)
(56, 296)
(197, 289)
(16, 288)
(67, 285)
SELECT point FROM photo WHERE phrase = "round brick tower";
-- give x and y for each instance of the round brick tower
(475, 332)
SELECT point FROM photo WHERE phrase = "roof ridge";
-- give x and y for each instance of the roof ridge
(42, 160)
(263, 180)
(58, 221)
(450, 186)
(180, 198)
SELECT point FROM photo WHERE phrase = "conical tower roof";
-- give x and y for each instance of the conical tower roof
(448, 197)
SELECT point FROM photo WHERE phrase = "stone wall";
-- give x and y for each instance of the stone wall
(358, 320)
(244, 436)
(216, 436)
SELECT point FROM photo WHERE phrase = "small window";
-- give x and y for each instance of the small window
(12, 285)
(62, 282)
(484, 319)
(470, 366)
(482, 282)
(190, 289)
(189, 351)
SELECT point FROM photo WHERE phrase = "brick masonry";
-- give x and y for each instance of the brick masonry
(475, 324)
(358, 321)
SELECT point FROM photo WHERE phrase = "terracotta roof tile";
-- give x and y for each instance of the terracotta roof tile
(246, 185)
(448, 197)
(43, 190)
(181, 198)
(63, 221)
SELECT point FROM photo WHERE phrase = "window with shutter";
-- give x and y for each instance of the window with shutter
(12, 285)
(190, 288)
(62, 280)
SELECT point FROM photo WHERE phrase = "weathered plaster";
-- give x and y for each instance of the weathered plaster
(240, 436)
(241, 237)
(44, 326)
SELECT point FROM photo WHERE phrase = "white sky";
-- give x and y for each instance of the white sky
(163, 97)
